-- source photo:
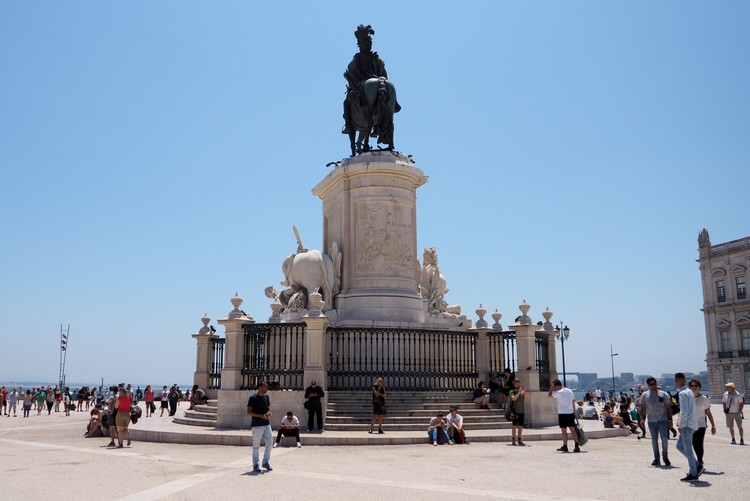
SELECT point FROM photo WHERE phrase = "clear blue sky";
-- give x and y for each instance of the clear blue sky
(154, 156)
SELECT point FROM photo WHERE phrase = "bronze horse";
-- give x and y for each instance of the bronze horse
(371, 113)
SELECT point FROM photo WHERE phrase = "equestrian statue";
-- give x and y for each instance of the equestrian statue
(370, 97)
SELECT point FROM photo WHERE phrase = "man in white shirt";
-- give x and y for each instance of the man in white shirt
(733, 403)
(565, 413)
(456, 426)
(589, 412)
(687, 427)
(289, 428)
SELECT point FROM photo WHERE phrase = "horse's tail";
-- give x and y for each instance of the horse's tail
(384, 112)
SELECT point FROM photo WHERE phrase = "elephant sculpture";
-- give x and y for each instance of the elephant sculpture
(311, 270)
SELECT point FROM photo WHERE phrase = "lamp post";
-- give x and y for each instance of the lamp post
(612, 356)
(564, 334)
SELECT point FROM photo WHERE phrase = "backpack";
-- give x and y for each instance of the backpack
(675, 402)
(135, 413)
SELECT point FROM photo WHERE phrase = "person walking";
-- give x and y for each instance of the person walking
(174, 399)
(733, 403)
(517, 397)
(150, 407)
(28, 402)
(703, 409)
(259, 408)
(687, 427)
(379, 394)
(12, 399)
(314, 395)
(122, 418)
(655, 405)
(164, 400)
(565, 413)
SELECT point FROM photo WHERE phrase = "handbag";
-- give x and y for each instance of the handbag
(581, 434)
(307, 405)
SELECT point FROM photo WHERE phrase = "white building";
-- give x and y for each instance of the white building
(726, 310)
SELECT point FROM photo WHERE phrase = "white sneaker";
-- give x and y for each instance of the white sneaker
(434, 443)
(451, 442)
(275, 444)
(299, 445)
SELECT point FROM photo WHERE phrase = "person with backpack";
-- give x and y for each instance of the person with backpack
(175, 395)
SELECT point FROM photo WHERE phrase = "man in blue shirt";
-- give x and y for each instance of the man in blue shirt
(259, 407)
(687, 426)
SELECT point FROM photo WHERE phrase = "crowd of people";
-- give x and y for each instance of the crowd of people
(685, 414)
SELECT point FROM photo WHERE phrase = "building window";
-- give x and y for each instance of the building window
(727, 378)
(740, 283)
(725, 341)
(745, 335)
(721, 291)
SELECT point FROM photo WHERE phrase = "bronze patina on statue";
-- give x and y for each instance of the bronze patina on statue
(370, 98)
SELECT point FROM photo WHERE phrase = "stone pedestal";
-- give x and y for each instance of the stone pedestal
(369, 210)
(231, 374)
(483, 353)
(204, 357)
(527, 371)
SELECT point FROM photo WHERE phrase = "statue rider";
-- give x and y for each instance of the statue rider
(365, 64)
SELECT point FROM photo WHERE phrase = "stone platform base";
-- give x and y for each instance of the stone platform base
(155, 429)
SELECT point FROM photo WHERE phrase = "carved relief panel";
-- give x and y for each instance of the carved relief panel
(385, 237)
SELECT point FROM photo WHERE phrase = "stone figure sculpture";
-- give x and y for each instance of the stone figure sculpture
(703, 239)
(432, 286)
(306, 271)
(370, 97)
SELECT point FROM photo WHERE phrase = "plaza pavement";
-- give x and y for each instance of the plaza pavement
(49, 454)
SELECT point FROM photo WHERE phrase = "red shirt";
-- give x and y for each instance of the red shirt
(149, 396)
(124, 405)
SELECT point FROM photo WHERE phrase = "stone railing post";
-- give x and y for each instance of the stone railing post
(204, 356)
(232, 411)
(315, 352)
(526, 349)
(483, 345)
(552, 335)
(231, 377)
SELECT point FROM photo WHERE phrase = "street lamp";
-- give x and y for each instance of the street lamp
(612, 356)
(564, 334)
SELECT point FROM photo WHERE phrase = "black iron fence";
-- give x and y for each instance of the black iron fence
(274, 353)
(502, 351)
(414, 360)
(217, 363)
(541, 343)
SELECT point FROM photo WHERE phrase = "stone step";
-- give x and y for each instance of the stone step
(410, 413)
(408, 427)
(336, 395)
(432, 407)
(194, 422)
(417, 422)
(195, 414)
(207, 409)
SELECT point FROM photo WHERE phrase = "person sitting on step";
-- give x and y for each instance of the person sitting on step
(481, 395)
(289, 427)
(437, 430)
